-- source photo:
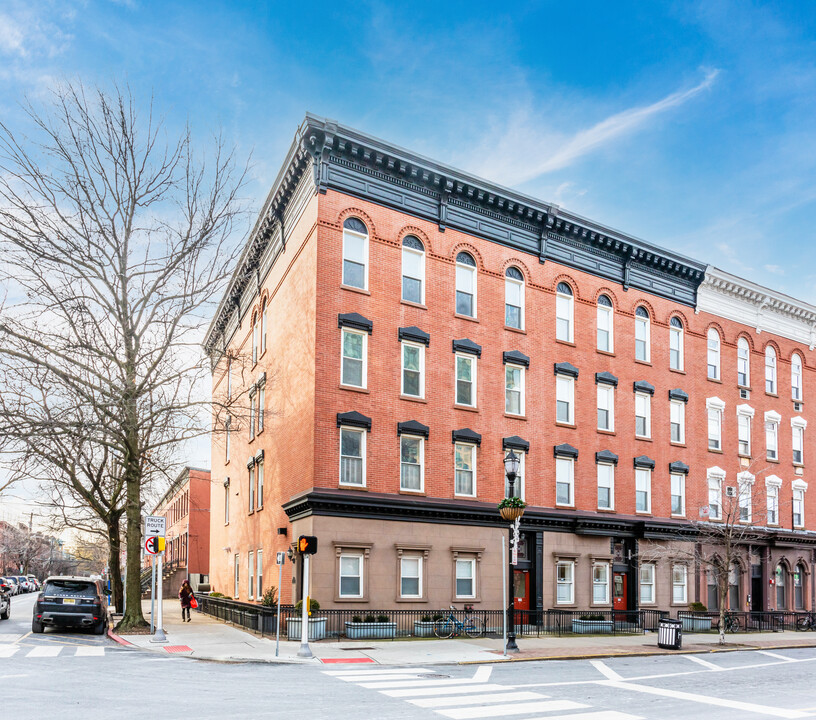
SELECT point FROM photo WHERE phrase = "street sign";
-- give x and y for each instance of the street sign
(515, 555)
(280, 558)
(154, 545)
(307, 544)
(155, 526)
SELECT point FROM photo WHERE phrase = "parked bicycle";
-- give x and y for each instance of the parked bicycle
(732, 623)
(471, 625)
(806, 622)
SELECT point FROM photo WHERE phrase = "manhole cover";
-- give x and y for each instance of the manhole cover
(435, 676)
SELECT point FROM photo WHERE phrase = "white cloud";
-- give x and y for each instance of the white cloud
(527, 147)
(775, 269)
(12, 39)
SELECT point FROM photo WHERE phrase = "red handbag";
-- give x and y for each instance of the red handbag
(194, 603)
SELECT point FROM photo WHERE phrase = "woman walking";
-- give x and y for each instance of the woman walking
(186, 596)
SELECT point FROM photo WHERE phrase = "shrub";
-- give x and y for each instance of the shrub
(383, 618)
(217, 594)
(370, 618)
(270, 597)
(438, 616)
(426, 618)
(356, 619)
(313, 605)
(593, 616)
(697, 607)
(513, 502)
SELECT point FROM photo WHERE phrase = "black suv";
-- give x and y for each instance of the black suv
(67, 601)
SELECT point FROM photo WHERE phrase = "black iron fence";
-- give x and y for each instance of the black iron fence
(742, 621)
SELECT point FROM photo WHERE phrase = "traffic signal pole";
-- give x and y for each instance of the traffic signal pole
(305, 651)
(159, 636)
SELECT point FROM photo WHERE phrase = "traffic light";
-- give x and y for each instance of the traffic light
(307, 544)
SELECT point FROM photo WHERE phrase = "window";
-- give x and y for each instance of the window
(229, 379)
(798, 587)
(564, 396)
(226, 501)
(798, 504)
(781, 587)
(465, 285)
(713, 354)
(256, 330)
(563, 312)
(679, 573)
(253, 401)
(260, 573)
(251, 574)
(600, 583)
(514, 298)
(465, 380)
(236, 575)
(564, 468)
(770, 370)
(411, 577)
(605, 324)
(465, 578)
(606, 486)
(259, 476)
(413, 370)
(352, 457)
(413, 270)
(745, 414)
(676, 344)
(227, 427)
(643, 422)
(677, 418)
(606, 407)
(642, 351)
(715, 408)
(465, 467)
(796, 377)
(261, 404)
(643, 490)
(733, 587)
(715, 481)
(514, 390)
(355, 253)
(565, 586)
(772, 499)
(354, 353)
(745, 482)
(251, 470)
(647, 583)
(743, 363)
(264, 312)
(678, 494)
(798, 426)
(411, 463)
(351, 575)
(518, 485)
(772, 420)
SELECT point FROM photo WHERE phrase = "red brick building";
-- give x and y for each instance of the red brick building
(395, 326)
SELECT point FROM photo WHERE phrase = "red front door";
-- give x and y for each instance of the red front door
(521, 594)
(619, 595)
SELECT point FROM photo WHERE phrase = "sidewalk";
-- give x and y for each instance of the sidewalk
(206, 638)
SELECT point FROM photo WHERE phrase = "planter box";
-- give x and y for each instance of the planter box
(380, 630)
(424, 628)
(697, 623)
(593, 627)
(317, 628)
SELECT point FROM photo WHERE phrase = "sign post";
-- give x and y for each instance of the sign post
(280, 558)
(307, 546)
(152, 593)
(155, 529)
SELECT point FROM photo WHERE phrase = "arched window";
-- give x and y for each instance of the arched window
(642, 322)
(355, 253)
(796, 377)
(713, 355)
(734, 587)
(799, 587)
(743, 363)
(514, 298)
(563, 312)
(770, 370)
(413, 270)
(781, 587)
(606, 338)
(465, 285)
(676, 344)
(255, 336)
(264, 311)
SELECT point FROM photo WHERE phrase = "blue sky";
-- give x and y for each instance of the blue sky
(691, 125)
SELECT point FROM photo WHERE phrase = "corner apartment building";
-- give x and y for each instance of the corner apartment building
(395, 326)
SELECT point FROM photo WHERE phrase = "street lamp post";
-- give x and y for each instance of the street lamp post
(511, 513)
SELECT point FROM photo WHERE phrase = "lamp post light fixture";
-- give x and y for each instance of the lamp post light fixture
(511, 510)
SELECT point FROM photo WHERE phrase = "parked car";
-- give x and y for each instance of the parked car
(70, 601)
(36, 583)
(12, 582)
(5, 600)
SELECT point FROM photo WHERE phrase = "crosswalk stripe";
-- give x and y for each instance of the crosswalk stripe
(8, 650)
(358, 678)
(476, 699)
(45, 651)
(90, 651)
(419, 692)
(598, 715)
(386, 685)
(503, 710)
(373, 673)
(695, 659)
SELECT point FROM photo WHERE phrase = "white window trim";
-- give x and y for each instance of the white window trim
(798, 486)
(251, 575)
(648, 399)
(715, 474)
(570, 319)
(518, 485)
(609, 391)
(421, 462)
(772, 369)
(475, 284)
(570, 584)
(359, 557)
(747, 348)
(236, 575)
(419, 560)
(343, 332)
(647, 324)
(259, 574)
(794, 375)
(520, 285)
(798, 423)
(421, 279)
(365, 237)
(681, 407)
(473, 460)
(745, 485)
(775, 482)
(610, 314)
(565, 381)
(571, 461)
(472, 563)
(651, 585)
(679, 333)
(682, 478)
(611, 467)
(522, 389)
(713, 354)
(403, 345)
(474, 362)
(676, 585)
(774, 418)
(362, 431)
(745, 411)
(606, 584)
(648, 509)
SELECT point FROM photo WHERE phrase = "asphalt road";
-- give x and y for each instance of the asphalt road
(79, 675)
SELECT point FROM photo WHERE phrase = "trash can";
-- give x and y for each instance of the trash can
(670, 634)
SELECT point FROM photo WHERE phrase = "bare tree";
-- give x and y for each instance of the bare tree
(116, 241)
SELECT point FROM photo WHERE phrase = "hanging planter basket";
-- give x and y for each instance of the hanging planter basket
(511, 514)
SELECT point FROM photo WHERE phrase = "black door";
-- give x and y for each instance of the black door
(757, 587)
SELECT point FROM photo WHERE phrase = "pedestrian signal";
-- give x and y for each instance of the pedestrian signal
(154, 545)
(307, 544)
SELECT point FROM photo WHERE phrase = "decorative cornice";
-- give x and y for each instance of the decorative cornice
(466, 345)
(606, 456)
(565, 450)
(355, 321)
(606, 378)
(466, 435)
(644, 461)
(412, 427)
(514, 442)
(414, 334)
(642, 386)
(565, 368)
(678, 394)
(678, 467)
(353, 419)
(514, 357)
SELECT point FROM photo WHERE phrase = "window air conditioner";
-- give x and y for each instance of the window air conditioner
(730, 491)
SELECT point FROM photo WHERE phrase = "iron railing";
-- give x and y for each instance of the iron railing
(740, 621)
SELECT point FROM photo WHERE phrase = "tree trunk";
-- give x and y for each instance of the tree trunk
(133, 617)
(115, 566)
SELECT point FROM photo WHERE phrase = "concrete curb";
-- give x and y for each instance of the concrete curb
(113, 636)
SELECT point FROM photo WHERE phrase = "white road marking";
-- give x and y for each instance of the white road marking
(704, 663)
(45, 651)
(599, 715)
(481, 675)
(381, 678)
(372, 673)
(9, 638)
(776, 655)
(605, 670)
(9, 677)
(707, 700)
(8, 650)
(503, 710)
(414, 692)
(90, 651)
(476, 699)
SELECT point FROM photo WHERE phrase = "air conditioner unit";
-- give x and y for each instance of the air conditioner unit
(797, 406)
(745, 394)
(730, 491)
